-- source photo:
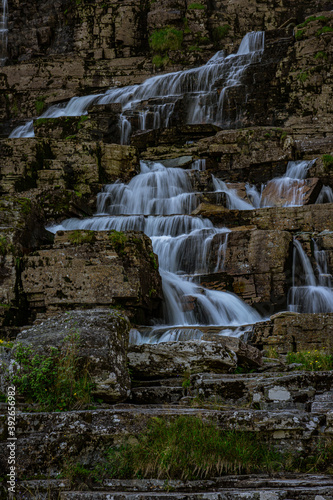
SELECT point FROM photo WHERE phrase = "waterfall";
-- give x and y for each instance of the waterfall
(203, 90)
(310, 294)
(3, 31)
(158, 201)
(325, 195)
(234, 202)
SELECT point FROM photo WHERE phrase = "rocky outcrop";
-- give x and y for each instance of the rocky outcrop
(101, 339)
(211, 354)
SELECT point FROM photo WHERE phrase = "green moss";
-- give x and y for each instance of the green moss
(313, 18)
(25, 204)
(303, 76)
(196, 6)
(325, 29)
(79, 237)
(40, 104)
(160, 61)
(194, 48)
(153, 260)
(299, 34)
(321, 55)
(166, 39)
(328, 162)
(83, 119)
(118, 240)
(220, 32)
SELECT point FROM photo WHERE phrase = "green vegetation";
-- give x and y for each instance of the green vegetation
(313, 18)
(321, 55)
(118, 240)
(325, 29)
(40, 104)
(188, 448)
(312, 360)
(220, 32)
(25, 204)
(197, 6)
(3, 245)
(194, 48)
(78, 237)
(328, 162)
(303, 76)
(299, 34)
(83, 119)
(166, 39)
(153, 260)
(160, 61)
(55, 381)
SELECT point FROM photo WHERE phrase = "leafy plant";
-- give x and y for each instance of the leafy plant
(311, 360)
(54, 381)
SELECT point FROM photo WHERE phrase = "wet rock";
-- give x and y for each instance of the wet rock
(102, 336)
(212, 354)
(293, 192)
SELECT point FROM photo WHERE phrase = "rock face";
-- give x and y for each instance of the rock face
(102, 345)
(85, 268)
(212, 354)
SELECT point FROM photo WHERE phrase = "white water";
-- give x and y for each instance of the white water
(3, 31)
(155, 100)
(184, 244)
(310, 293)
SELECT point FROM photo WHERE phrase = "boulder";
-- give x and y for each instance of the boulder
(167, 359)
(102, 344)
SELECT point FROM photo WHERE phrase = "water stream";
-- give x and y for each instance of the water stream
(3, 31)
(201, 92)
(310, 292)
(158, 201)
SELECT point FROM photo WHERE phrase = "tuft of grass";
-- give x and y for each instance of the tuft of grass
(189, 448)
(54, 381)
(196, 6)
(160, 61)
(312, 360)
(321, 55)
(166, 39)
(118, 240)
(328, 162)
(78, 237)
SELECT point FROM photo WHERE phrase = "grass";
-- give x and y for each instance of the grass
(327, 161)
(321, 55)
(160, 61)
(54, 381)
(196, 6)
(166, 39)
(312, 360)
(78, 237)
(40, 105)
(188, 448)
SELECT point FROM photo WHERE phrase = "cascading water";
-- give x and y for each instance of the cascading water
(157, 202)
(202, 90)
(310, 293)
(3, 31)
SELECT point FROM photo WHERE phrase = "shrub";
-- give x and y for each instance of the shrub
(54, 381)
(311, 360)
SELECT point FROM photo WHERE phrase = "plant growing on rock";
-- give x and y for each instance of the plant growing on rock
(118, 240)
(328, 162)
(54, 381)
(78, 237)
(312, 360)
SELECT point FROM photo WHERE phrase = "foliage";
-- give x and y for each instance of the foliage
(188, 448)
(194, 48)
(312, 18)
(312, 360)
(118, 240)
(79, 237)
(220, 32)
(325, 29)
(299, 34)
(321, 55)
(197, 6)
(320, 460)
(40, 104)
(160, 61)
(54, 381)
(166, 39)
(327, 161)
